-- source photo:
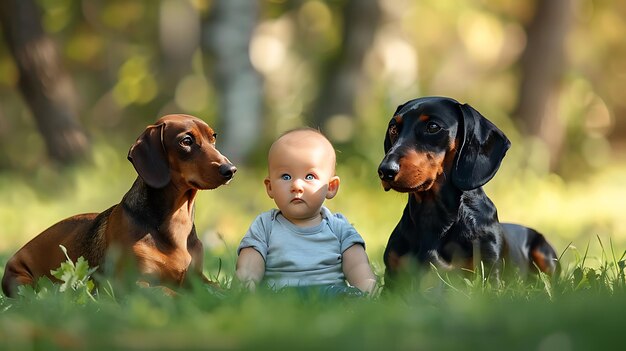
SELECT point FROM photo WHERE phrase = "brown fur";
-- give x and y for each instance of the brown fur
(151, 231)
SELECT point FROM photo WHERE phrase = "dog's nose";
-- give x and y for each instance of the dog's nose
(227, 170)
(388, 171)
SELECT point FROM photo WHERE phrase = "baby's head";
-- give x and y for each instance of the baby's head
(301, 167)
(303, 144)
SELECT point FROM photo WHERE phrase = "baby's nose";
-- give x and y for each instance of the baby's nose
(296, 185)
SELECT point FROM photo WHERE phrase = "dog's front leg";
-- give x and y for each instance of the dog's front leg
(488, 249)
(433, 257)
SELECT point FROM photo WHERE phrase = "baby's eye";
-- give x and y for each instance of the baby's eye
(309, 177)
(285, 177)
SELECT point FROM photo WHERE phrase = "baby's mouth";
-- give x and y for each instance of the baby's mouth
(297, 200)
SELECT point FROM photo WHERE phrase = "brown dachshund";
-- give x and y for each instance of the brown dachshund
(441, 153)
(151, 231)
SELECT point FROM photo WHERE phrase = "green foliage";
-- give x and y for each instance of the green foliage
(76, 286)
(76, 278)
(580, 309)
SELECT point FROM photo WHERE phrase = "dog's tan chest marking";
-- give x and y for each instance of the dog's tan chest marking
(170, 266)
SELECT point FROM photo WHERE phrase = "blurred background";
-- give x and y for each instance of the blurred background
(80, 80)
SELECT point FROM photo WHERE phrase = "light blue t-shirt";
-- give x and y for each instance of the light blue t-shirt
(296, 256)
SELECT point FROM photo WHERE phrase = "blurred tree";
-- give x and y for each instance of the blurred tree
(179, 36)
(46, 87)
(543, 66)
(227, 35)
(343, 75)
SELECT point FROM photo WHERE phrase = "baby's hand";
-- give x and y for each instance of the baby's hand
(250, 285)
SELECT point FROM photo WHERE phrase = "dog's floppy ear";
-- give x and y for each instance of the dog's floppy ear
(148, 157)
(483, 147)
(387, 143)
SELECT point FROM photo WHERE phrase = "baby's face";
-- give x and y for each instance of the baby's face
(301, 175)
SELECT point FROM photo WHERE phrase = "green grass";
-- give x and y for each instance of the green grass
(582, 309)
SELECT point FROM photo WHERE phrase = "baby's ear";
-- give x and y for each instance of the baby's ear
(333, 187)
(268, 187)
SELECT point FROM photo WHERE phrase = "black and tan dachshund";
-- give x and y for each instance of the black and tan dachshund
(441, 153)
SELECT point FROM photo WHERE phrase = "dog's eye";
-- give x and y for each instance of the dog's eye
(393, 132)
(186, 141)
(432, 128)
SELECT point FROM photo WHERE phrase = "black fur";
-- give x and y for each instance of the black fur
(448, 221)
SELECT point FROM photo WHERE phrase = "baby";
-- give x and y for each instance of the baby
(303, 244)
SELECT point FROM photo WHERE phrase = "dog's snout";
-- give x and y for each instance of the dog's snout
(388, 171)
(227, 170)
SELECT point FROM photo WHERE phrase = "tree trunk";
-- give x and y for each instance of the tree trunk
(46, 87)
(344, 76)
(543, 65)
(179, 35)
(227, 37)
